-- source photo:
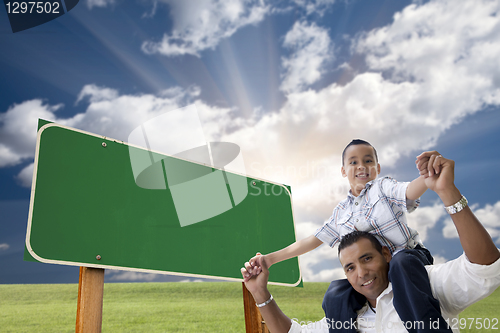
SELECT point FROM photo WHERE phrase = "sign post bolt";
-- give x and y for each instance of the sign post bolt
(98, 257)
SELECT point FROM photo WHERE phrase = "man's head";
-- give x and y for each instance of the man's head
(359, 164)
(365, 263)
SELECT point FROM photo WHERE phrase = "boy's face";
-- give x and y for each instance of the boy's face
(360, 167)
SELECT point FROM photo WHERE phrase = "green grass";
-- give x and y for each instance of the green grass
(168, 307)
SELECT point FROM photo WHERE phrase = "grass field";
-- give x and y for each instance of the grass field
(170, 307)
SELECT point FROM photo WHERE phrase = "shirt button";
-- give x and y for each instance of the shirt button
(356, 203)
(357, 220)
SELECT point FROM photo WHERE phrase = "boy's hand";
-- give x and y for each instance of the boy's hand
(255, 264)
(255, 284)
(429, 163)
(422, 162)
(441, 175)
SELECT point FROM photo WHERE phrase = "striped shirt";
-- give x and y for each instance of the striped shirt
(379, 209)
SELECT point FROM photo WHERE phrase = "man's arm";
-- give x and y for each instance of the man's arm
(275, 319)
(475, 240)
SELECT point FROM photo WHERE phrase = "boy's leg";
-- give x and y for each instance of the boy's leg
(413, 300)
(341, 303)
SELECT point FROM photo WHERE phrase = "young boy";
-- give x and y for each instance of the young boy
(376, 205)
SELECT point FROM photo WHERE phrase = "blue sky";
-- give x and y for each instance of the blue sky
(290, 82)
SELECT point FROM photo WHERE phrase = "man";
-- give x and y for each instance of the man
(456, 284)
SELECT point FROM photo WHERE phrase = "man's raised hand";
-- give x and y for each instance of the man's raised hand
(255, 281)
(440, 173)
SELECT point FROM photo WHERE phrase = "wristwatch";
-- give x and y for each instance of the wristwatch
(461, 204)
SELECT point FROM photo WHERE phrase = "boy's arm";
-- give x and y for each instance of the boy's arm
(296, 249)
(416, 188)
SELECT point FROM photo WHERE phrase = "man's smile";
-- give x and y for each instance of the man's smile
(368, 283)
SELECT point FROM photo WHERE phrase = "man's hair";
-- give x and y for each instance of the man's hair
(353, 237)
(356, 142)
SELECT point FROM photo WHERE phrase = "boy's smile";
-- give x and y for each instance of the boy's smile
(360, 167)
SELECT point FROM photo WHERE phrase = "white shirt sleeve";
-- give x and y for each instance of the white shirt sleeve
(460, 283)
(396, 192)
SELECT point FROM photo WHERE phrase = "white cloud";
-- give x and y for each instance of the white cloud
(26, 175)
(450, 51)
(315, 6)
(131, 276)
(312, 128)
(439, 259)
(96, 94)
(325, 275)
(99, 3)
(108, 113)
(4, 246)
(402, 111)
(320, 264)
(18, 130)
(449, 230)
(202, 24)
(425, 218)
(311, 47)
(489, 216)
(191, 280)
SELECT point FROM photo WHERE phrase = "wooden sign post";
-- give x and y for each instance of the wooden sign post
(253, 319)
(90, 297)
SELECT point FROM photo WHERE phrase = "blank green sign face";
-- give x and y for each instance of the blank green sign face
(88, 208)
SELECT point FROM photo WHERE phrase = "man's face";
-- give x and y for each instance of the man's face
(360, 167)
(366, 269)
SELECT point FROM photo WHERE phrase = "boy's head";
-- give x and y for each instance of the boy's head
(356, 142)
(359, 164)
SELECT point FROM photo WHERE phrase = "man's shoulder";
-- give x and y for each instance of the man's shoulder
(459, 283)
(463, 263)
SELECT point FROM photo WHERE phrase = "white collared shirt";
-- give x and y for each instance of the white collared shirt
(367, 319)
(456, 284)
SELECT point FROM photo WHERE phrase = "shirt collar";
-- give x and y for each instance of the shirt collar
(351, 196)
(386, 291)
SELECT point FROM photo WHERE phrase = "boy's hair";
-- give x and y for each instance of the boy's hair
(359, 142)
(355, 236)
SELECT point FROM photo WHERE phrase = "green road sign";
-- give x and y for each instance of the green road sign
(95, 202)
